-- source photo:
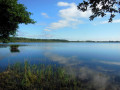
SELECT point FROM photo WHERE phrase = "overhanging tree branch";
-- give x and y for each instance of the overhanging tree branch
(101, 8)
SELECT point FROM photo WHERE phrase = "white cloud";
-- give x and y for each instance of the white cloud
(63, 4)
(47, 30)
(45, 15)
(73, 12)
(114, 21)
(70, 16)
(59, 24)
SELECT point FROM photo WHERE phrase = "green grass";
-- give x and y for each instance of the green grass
(39, 77)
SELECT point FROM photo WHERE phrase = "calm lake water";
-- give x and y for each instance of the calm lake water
(97, 62)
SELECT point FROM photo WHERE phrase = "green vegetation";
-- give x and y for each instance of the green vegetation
(41, 77)
(11, 14)
(19, 39)
(101, 8)
(14, 48)
(46, 77)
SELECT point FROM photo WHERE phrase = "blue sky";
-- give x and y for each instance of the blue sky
(58, 19)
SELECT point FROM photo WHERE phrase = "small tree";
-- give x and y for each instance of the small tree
(101, 7)
(11, 14)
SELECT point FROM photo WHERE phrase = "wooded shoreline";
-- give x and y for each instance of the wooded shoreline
(20, 39)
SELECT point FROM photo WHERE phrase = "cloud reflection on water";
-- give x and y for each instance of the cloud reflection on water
(92, 77)
(110, 63)
(69, 61)
(98, 80)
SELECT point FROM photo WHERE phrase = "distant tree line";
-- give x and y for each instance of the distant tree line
(20, 39)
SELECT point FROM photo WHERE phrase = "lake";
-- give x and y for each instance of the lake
(97, 62)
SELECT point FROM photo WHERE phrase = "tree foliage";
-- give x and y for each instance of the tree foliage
(11, 14)
(100, 8)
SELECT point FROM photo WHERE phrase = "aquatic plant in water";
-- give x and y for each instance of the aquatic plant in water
(40, 77)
